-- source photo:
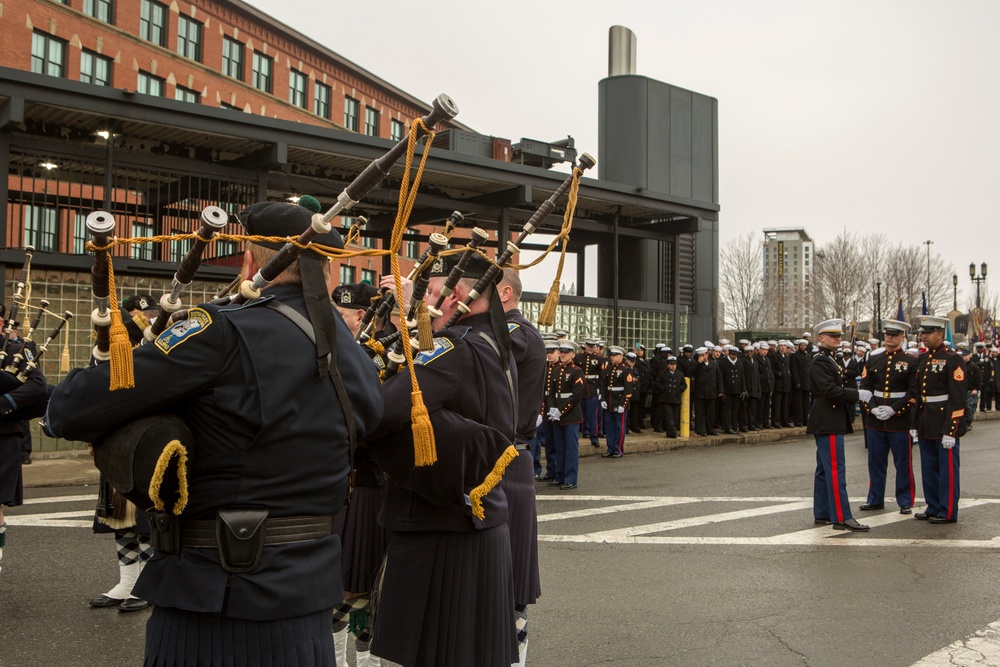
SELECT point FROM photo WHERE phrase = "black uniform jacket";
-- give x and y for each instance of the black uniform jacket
(751, 374)
(941, 394)
(527, 349)
(766, 373)
(707, 380)
(620, 383)
(973, 377)
(570, 388)
(20, 400)
(268, 432)
(593, 367)
(892, 379)
(462, 374)
(833, 402)
(734, 381)
(670, 387)
(782, 374)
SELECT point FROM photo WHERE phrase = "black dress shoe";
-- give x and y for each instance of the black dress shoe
(851, 524)
(905, 510)
(26, 460)
(711, 433)
(133, 604)
(541, 478)
(567, 487)
(657, 430)
(941, 519)
(553, 482)
(617, 456)
(732, 432)
(923, 516)
(821, 522)
(105, 601)
(606, 455)
(871, 507)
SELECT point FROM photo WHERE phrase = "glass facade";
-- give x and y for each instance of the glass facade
(635, 325)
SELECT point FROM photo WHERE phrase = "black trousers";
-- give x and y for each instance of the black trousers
(671, 418)
(637, 411)
(731, 412)
(804, 398)
(764, 410)
(779, 408)
(704, 415)
(656, 413)
(795, 407)
(985, 400)
(748, 413)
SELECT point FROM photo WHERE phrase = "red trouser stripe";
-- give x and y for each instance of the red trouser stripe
(951, 482)
(621, 435)
(834, 478)
(909, 463)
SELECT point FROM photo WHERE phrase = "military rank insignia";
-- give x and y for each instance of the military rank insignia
(198, 320)
(959, 374)
(442, 346)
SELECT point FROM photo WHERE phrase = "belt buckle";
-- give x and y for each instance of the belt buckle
(886, 395)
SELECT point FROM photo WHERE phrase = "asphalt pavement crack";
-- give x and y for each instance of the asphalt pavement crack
(803, 656)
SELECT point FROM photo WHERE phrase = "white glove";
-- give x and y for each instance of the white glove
(620, 409)
(554, 414)
(864, 395)
(538, 422)
(883, 412)
(947, 441)
(913, 434)
(604, 404)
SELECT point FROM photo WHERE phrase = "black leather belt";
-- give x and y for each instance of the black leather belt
(277, 530)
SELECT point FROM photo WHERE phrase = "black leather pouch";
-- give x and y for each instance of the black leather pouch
(240, 533)
(164, 532)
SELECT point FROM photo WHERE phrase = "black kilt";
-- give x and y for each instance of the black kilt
(178, 638)
(447, 599)
(518, 484)
(364, 540)
(11, 484)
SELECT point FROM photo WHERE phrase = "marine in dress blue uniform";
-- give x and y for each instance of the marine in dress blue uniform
(549, 400)
(940, 421)
(566, 415)
(620, 385)
(269, 434)
(829, 419)
(593, 366)
(890, 375)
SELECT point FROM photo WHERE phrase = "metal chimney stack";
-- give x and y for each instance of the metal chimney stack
(621, 51)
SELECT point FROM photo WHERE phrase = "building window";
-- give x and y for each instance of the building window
(142, 250)
(80, 234)
(189, 38)
(262, 68)
(321, 100)
(351, 107)
(367, 241)
(412, 249)
(102, 10)
(369, 275)
(396, 129)
(40, 225)
(147, 84)
(346, 274)
(178, 248)
(95, 69)
(225, 248)
(232, 58)
(153, 22)
(297, 82)
(371, 122)
(48, 54)
(187, 95)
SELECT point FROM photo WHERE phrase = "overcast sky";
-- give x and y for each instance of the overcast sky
(859, 114)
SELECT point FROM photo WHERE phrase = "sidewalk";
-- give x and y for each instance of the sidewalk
(77, 468)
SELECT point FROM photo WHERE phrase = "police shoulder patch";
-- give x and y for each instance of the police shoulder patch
(512, 325)
(197, 321)
(442, 346)
(379, 363)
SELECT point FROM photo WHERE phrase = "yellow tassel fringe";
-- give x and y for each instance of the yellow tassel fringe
(476, 495)
(173, 449)
(64, 359)
(424, 448)
(425, 333)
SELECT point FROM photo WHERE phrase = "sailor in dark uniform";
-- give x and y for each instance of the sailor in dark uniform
(707, 389)
(829, 419)
(270, 459)
(671, 385)
(528, 351)
(940, 421)
(890, 375)
(447, 592)
(766, 385)
(734, 388)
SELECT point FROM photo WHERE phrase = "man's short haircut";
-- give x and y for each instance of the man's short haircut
(513, 278)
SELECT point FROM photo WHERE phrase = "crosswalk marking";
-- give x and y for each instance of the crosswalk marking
(980, 648)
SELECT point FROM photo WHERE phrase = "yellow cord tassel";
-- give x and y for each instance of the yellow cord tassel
(122, 372)
(425, 333)
(173, 449)
(64, 358)
(476, 495)
(424, 449)
(547, 317)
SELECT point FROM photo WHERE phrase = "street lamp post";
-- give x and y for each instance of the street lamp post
(979, 280)
(954, 291)
(878, 308)
(928, 244)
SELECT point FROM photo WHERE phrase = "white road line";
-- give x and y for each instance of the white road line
(59, 499)
(633, 531)
(611, 509)
(979, 648)
(54, 519)
(846, 539)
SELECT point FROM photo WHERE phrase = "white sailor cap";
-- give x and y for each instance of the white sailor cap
(807, 334)
(834, 327)
(701, 350)
(764, 345)
(671, 359)
(724, 341)
(801, 341)
(772, 343)
(744, 341)
(631, 355)
(873, 341)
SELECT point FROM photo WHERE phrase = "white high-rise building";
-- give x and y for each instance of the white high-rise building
(789, 268)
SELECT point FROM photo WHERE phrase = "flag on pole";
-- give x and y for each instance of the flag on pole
(899, 311)
(947, 334)
(923, 307)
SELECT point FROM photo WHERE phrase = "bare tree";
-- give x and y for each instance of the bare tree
(742, 276)
(841, 284)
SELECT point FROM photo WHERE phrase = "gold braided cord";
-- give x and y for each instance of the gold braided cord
(547, 316)
(424, 451)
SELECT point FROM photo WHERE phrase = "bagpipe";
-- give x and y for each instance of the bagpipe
(146, 461)
(19, 357)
